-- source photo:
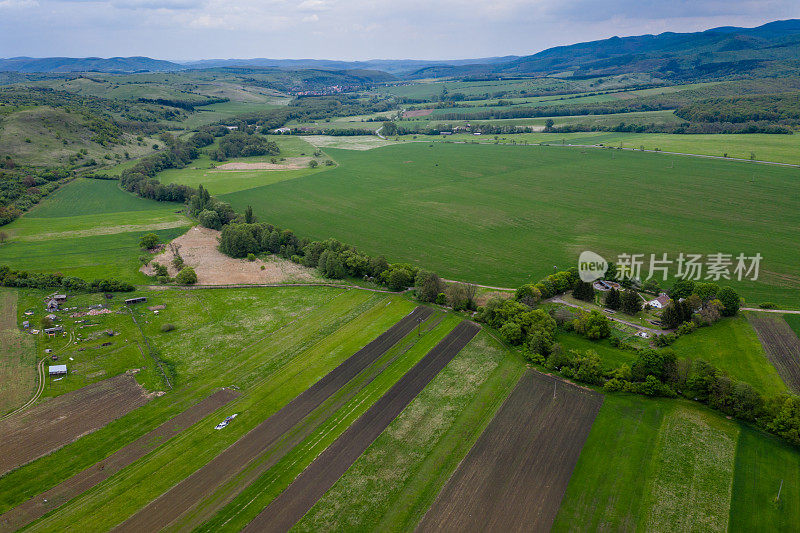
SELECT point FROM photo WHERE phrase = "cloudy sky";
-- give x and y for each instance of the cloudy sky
(350, 29)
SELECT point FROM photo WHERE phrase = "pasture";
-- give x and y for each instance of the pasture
(504, 215)
(732, 345)
(90, 229)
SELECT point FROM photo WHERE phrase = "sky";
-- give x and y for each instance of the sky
(351, 29)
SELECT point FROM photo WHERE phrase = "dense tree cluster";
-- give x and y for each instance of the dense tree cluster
(21, 278)
(242, 144)
(520, 325)
(331, 258)
(140, 178)
(775, 108)
(699, 303)
(23, 187)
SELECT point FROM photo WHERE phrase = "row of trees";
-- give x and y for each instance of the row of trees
(140, 178)
(21, 278)
(242, 144)
(333, 259)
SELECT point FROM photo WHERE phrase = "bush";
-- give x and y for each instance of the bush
(768, 305)
(161, 270)
(148, 241)
(251, 257)
(187, 276)
(167, 327)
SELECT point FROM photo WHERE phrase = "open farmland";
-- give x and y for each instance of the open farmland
(301, 495)
(515, 476)
(90, 229)
(74, 486)
(504, 215)
(394, 482)
(48, 426)
(781, 345)
(180, 498)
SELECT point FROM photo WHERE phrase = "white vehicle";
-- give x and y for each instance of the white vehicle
(225, 422)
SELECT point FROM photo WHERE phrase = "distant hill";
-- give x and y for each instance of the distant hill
(769, 49)
(87, 64)
(391, 66)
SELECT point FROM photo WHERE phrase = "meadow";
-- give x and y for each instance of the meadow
(17, 355)
(90, 229)
(504, 215)
(732, 344)
(661, 465)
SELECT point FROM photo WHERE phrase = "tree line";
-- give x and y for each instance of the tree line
(31, 280)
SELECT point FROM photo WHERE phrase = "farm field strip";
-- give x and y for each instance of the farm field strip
(307, 429)
(515, 476)
(39, 431)
(393, 483)
(781, 345)
(83, 481)
(18, 371)
(690, 478)
(315, 480)
(185, 494)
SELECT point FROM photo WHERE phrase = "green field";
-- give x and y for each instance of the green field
(17, 355)
(90, 229)
(271, 343)
(504, 215)
(732, 345)
(660, 465)
(777, 148)
(794, 322)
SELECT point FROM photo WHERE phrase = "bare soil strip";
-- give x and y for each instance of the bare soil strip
(781, 345)
(314, 481)
(182, 497)
(289, 163)
(60, 494)
(54, 423)
(514, 477)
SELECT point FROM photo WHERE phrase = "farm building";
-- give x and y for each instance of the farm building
(131, 301)
(60, 298)
(605, 286)
(26, 324)
(51, 305)
(282, 130)
(53, 330)
(57, 370)
(660, 302)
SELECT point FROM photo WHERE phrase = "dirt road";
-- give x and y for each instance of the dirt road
(315, 480)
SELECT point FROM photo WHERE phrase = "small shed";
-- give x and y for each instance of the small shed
(51, 305)
(53, 330)
(131, 301)
(57, 370)
(60, 298)
(26, 324)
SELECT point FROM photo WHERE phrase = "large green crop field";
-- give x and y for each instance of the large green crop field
(90, 229)
(504, 215)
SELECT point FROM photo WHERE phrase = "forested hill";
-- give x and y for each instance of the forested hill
(86, 64)
(771, 49)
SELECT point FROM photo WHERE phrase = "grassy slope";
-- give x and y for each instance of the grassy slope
(732, 345)
(47, 129)
(89, 228)
(394, 482)
(505, 215)
(134, 487)
(611, 357)
(17, 355)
